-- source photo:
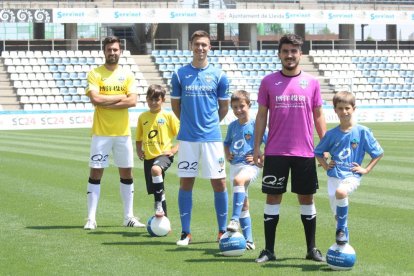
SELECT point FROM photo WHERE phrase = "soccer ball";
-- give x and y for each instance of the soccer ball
(158, 227)
(232, 244)
(341, 257)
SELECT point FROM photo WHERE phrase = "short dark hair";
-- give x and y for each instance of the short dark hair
(199, 33)
(240, 95)
(345, 97)
(110, 40)
(290, 39)
(156, 91)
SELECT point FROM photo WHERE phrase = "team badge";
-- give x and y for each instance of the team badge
(121, 78)
(161, 121)
(209, 78)
(221, 161)
(303, 84)
(248, 135)
(354, 143)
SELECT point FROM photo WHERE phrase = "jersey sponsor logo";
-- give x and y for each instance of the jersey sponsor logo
(238, 144)
(345, 153)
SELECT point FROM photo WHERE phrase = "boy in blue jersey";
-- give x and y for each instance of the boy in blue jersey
(347, 145)
(238, 147)
(200, 99)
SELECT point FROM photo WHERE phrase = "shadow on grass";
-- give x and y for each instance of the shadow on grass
(90, 232)
(280, 263)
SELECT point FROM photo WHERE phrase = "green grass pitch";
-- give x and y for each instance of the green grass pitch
(43, 177)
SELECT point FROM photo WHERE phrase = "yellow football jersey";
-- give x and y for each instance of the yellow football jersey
(107, 121)
(156, 131)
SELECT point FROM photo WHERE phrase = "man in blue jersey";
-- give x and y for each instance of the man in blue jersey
(200, 99)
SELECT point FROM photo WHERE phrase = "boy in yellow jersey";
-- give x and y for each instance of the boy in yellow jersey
(112, 90)
(156, 130)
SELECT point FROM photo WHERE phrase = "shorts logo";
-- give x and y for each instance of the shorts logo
(273, 181)
(185, 165)
(99, 157)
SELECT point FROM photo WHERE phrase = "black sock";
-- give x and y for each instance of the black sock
(270, 224)
(309, 225)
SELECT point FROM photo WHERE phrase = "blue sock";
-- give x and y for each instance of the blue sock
(185, 205)
(246, 225)
(342, 213)
(238, 200)
(221, 204)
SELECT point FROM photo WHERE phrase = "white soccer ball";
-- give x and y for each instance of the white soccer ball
(158, 227)
(232, 244)
(341, 257)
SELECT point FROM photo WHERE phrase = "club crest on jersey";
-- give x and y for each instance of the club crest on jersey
(354, 143)
(248, 135)
(209, 78)
(161, 121)
(303, 84)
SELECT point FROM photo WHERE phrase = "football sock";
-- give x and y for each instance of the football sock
(158, 183)
(93, 193)
(308, 216)
(221, 205)
(246, 225)
(239, 194)
(127, 194)
(185, 205)
(271, 219)
(164, 203)
(342, 213)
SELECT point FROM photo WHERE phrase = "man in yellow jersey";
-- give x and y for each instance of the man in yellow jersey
(112, 90)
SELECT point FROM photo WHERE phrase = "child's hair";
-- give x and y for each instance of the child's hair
(293, 39)
(156, 91)
(344, 97)
(240, 95)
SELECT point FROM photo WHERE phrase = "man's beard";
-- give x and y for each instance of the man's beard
(112, 60)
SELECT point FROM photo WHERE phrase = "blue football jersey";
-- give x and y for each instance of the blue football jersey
(199, 91)
(348, 147)
(240, 140)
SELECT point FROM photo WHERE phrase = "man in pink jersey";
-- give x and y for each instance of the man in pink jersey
(293, 101)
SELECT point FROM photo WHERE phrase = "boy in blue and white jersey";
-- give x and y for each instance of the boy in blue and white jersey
(238, 147)
(200, 99)
(347, 145)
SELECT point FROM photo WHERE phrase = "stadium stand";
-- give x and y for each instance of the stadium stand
(56, 79)
(376, 77)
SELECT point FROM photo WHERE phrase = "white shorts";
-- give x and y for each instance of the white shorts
(349, 184)
(121, 147)
(250, 171)
(209, 154)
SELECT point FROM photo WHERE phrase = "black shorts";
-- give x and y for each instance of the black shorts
(163, 161)
(276, 175)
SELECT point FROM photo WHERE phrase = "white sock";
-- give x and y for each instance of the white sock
(127, 194)
(93, 194)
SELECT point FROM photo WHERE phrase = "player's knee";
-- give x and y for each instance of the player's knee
(340, 193)
(156, 170)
